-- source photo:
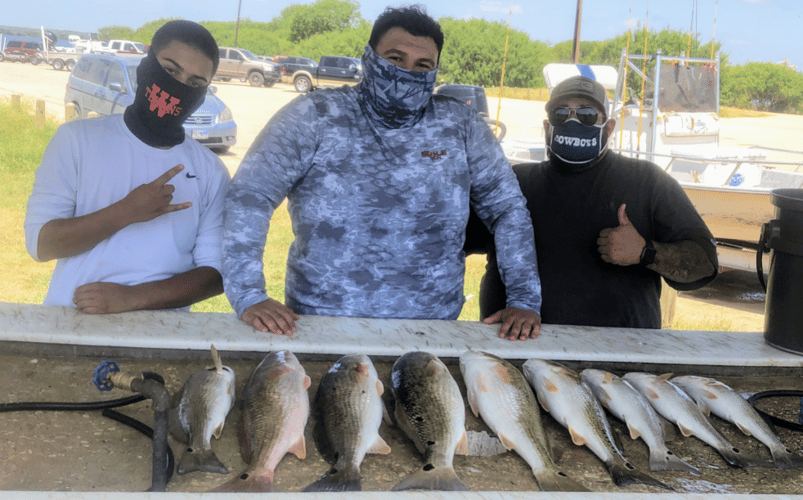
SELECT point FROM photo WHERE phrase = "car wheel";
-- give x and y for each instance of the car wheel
(58, 64)
(221, 150)
(269, 83)
(70, 65)
(77, 113)
(35, 60)
(256, 79)
(2, 57)
(302, 84)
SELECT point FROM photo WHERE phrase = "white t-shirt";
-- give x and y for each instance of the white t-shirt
(90, 164)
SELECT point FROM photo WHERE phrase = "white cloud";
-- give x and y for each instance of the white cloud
(501, 7)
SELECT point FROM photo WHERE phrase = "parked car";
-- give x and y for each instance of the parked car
(332, 71)
(239, 63)
(18, 50)
(290, 64)
(474, 96)
(106, 84)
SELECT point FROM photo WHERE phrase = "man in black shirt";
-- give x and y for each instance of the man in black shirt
(607, 227)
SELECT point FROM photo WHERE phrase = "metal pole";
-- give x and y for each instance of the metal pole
(577, 23)
(237, 27)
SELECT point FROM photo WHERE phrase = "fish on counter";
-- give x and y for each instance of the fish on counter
(712, 396)
(498, 392)
(348, 411)
(563, 394)
(430, 411)
(628, 405)
(274, 409)
(198, 413)
(676, 406)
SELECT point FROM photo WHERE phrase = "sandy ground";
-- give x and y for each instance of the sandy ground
(83, 451)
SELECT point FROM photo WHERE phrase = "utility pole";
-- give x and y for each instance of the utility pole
(577, 23)
(237, 27)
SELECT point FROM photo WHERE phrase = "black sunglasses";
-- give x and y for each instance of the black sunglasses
(587, 115)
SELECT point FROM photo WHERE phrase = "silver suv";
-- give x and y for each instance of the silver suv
(241, 64)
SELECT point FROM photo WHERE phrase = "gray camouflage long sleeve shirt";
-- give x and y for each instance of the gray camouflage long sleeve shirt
(379, 215)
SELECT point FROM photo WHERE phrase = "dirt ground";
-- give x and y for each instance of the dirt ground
(83, 451)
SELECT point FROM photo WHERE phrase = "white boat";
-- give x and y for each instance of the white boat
(677, 126)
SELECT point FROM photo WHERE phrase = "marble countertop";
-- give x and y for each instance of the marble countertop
(385, 337)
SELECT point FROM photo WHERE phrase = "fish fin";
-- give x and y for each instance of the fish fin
(481, 385)
(246, 445)
(785, 459)
(508, 444)
(663, 459)
(710, 395)
(216, 359)
(462, 445)
(200, 460)
(604, 396)
(704, 408)
(550, 386)
(307, 382)
(380, 387)
(652, 394)
(686, 432)
(608, 377)
(743, 429)
(218, 430)
(248, 481)
(668, 430)
(344, 479)
(556, 481)
(299, 448)
(624, 474)
(665, 376)
(577, 438)
(380, 447)
(432, 478)
(634, 433)
(503, 373)
(544, 404)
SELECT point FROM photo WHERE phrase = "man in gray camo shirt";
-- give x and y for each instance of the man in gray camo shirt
(379, 178)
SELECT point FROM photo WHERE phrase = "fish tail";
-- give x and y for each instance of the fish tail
(624, 474)
(663, 459)
(200, 460)
(346, 479)
(248, 481)
(556, 481)
(432, 478)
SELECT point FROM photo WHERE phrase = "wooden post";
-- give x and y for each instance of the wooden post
(69, 112)
(40, 113)
(16, 101)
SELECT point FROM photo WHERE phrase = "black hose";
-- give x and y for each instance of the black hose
(163, 460)
(775, 420)
(147, 431)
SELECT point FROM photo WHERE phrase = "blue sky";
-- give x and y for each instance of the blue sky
(751, 30)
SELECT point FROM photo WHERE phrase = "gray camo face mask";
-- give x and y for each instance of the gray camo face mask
(394, 96)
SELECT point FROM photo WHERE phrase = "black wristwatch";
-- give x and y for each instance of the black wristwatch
(648, 254)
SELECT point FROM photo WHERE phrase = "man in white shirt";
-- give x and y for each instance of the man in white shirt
(129, 206)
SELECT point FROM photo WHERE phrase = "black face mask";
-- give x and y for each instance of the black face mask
(161, 105)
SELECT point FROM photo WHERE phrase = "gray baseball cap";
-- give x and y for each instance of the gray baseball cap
(582, 87)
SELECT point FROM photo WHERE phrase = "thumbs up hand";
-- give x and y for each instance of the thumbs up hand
(621, 245)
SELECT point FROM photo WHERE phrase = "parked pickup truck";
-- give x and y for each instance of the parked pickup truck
(332, 71)
(239, 63)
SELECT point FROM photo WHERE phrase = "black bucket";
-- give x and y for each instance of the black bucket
(783, 320)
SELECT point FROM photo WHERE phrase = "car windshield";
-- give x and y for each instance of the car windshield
(140, 46)
(248, 55)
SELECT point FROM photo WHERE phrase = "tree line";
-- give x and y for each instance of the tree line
(474, 50)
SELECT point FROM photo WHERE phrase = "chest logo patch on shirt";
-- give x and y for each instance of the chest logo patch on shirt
(433, 155)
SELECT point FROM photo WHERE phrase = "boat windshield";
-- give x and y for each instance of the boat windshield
(687, 88)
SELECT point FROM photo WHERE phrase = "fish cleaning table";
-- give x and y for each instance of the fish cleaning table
(47, 329)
